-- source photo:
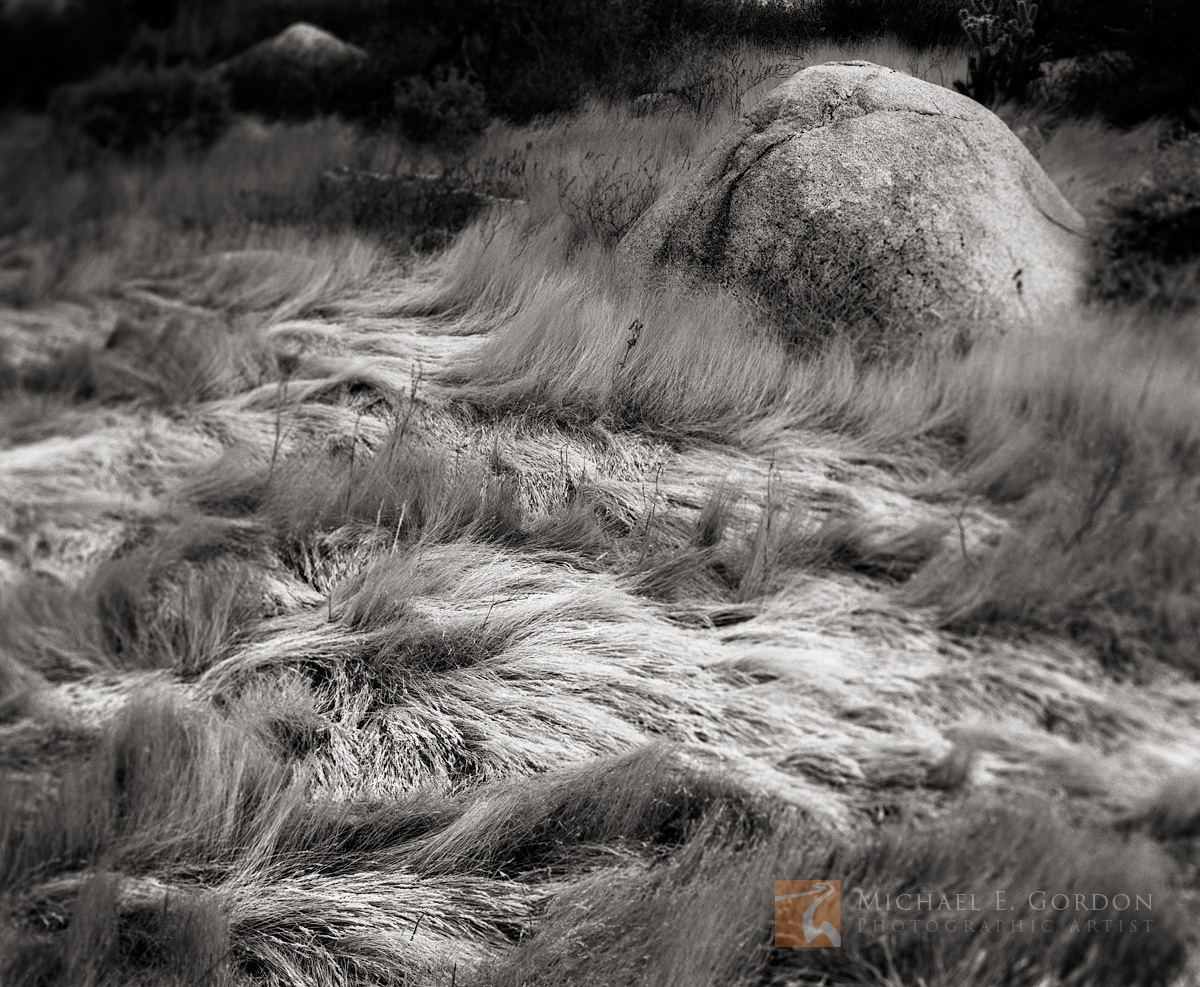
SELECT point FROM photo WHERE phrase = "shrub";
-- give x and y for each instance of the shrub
(1085, 85)
(133, 111)
(44, 45)
(1158, 37)
(418, 211)
(605, 197)
(448, 112)
(706, 79)
(279, 88)
(539, 57)
(1150, 246)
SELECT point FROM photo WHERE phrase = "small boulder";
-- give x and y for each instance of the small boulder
(855, 195)
(308, 46)
(300, 73)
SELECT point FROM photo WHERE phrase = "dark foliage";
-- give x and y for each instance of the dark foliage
(138, 110)
(1150, 246)
(922, 22)
(530, 56)
(1082, 85)
(407, 210)
(447, 112)
(285, 89)
(42, 47)
(1155, 38)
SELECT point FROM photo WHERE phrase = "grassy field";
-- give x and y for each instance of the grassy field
(378, 616)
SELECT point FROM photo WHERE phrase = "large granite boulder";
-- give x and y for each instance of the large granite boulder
(857, 195)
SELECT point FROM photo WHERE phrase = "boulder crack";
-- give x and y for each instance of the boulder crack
(717, 226)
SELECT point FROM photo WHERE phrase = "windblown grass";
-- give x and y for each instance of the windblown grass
(1094, 454)
(1091, 452)
(703, 918)
(434, 663)
(184, 848)
(1080, 450)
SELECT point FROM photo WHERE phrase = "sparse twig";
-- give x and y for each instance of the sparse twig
(962, 533)
(650, 517)
(353, 452)
(634, 333)
(288, 364)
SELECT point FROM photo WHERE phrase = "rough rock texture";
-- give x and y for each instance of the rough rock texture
(309, 46)
(857, 194)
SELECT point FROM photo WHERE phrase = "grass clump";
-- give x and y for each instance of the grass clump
(106, 877)
(404, 492)
(1092, 458)
(166, 853)
(174, 363)
(179, 601)
(705, 917)
(169, 790)
(646, 797)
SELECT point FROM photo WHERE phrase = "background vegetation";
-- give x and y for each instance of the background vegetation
(537, 56)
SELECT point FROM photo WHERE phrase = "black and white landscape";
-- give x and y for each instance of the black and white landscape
(490, 487)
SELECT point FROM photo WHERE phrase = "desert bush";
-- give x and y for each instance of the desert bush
(132, 111)
(1156, 38)
(1083, 85)
(277, 88)
(1149, 247)
(448, 112)
(541, 57)
(705, 78)
(418, 211)
(604, 195)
